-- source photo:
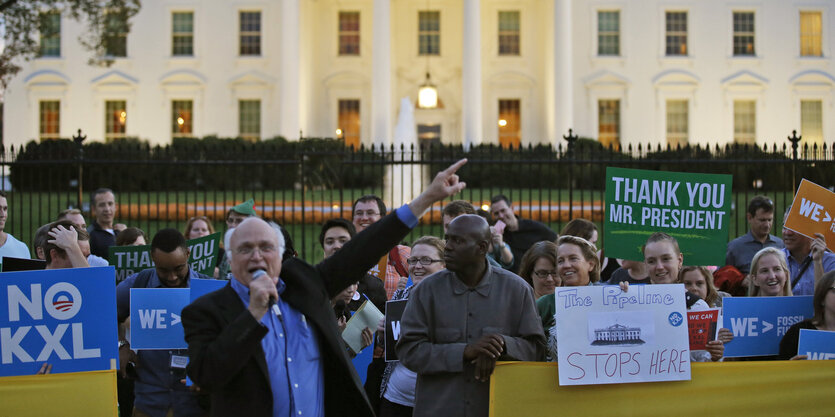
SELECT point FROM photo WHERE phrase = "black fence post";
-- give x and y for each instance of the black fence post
(571, 138)
(79, 139)
(795, 140)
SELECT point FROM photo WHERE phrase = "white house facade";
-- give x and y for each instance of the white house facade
(505, 71)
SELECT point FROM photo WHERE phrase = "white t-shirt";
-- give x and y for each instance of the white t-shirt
(14, 248)
(401, 389)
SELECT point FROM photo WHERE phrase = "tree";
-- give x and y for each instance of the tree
(24, 22)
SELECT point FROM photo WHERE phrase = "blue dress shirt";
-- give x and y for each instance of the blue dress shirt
(291, 349)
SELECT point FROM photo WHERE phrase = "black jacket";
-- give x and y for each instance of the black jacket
(224, 340)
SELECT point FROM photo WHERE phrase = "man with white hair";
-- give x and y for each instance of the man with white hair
(267, 344)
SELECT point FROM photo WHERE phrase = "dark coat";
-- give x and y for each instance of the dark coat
(224, 340)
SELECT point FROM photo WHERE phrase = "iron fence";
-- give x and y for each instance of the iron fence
(301, 184)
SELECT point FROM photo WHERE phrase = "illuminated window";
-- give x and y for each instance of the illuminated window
(50, 118)
(349, 122)
(676, 33)
(745, 122)
(250, 27)
(50, 34)
(677, 122)
(182, 34)
(429, 134)
(115, 119)
(349, 33)
(744, 34)
(608, 33)
(182, 117)
(608, 122)
(811, 121)
(509, 33)
(510, 127)
(429, 33)
(810, 34)
(116, 35)
(249, 119)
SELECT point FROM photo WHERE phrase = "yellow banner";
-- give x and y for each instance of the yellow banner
(72, 394)
(768, 388)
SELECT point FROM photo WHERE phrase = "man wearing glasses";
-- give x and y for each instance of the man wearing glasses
(267, 344)
(390, 269)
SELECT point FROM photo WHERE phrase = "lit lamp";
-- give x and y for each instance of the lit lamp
(427, 94)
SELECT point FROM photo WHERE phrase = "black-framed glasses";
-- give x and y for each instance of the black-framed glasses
(545, 274)
(424, 260)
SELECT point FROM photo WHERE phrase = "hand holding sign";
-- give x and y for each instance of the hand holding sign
(716, 349)
(818, 247)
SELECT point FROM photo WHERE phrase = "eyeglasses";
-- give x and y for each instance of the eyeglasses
(250, 250)
(425, 260)
(545, 274)
(367, 213)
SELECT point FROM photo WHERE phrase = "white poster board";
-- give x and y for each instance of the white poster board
(606, 336)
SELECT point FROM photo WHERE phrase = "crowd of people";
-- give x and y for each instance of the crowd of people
(269, 342)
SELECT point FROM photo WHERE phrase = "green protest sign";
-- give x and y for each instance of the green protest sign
(129, 260)
(694, 208)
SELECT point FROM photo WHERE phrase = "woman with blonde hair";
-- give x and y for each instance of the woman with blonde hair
(769, 276)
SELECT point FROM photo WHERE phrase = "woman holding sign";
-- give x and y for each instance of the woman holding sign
(577, 265)
(698, 280)
(664, 262)
(397, 390)
(824, 318)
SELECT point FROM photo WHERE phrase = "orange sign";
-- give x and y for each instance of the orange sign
(813, 211)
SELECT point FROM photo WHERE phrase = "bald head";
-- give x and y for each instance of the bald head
(473, 225)
(467, 240)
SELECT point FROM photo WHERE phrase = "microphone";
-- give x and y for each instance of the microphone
(273, 302)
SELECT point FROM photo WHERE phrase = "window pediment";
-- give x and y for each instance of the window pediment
(744, 81)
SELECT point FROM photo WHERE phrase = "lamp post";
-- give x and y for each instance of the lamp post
(427, 93)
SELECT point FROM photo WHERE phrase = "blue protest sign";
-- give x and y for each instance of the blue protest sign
(758, 323)
(155, 318)
(65, 317)
(199, 286)
(816, 344)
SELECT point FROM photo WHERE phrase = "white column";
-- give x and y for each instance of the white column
(290, 63)
(471, 105)
(564, 77)
(381, 110)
